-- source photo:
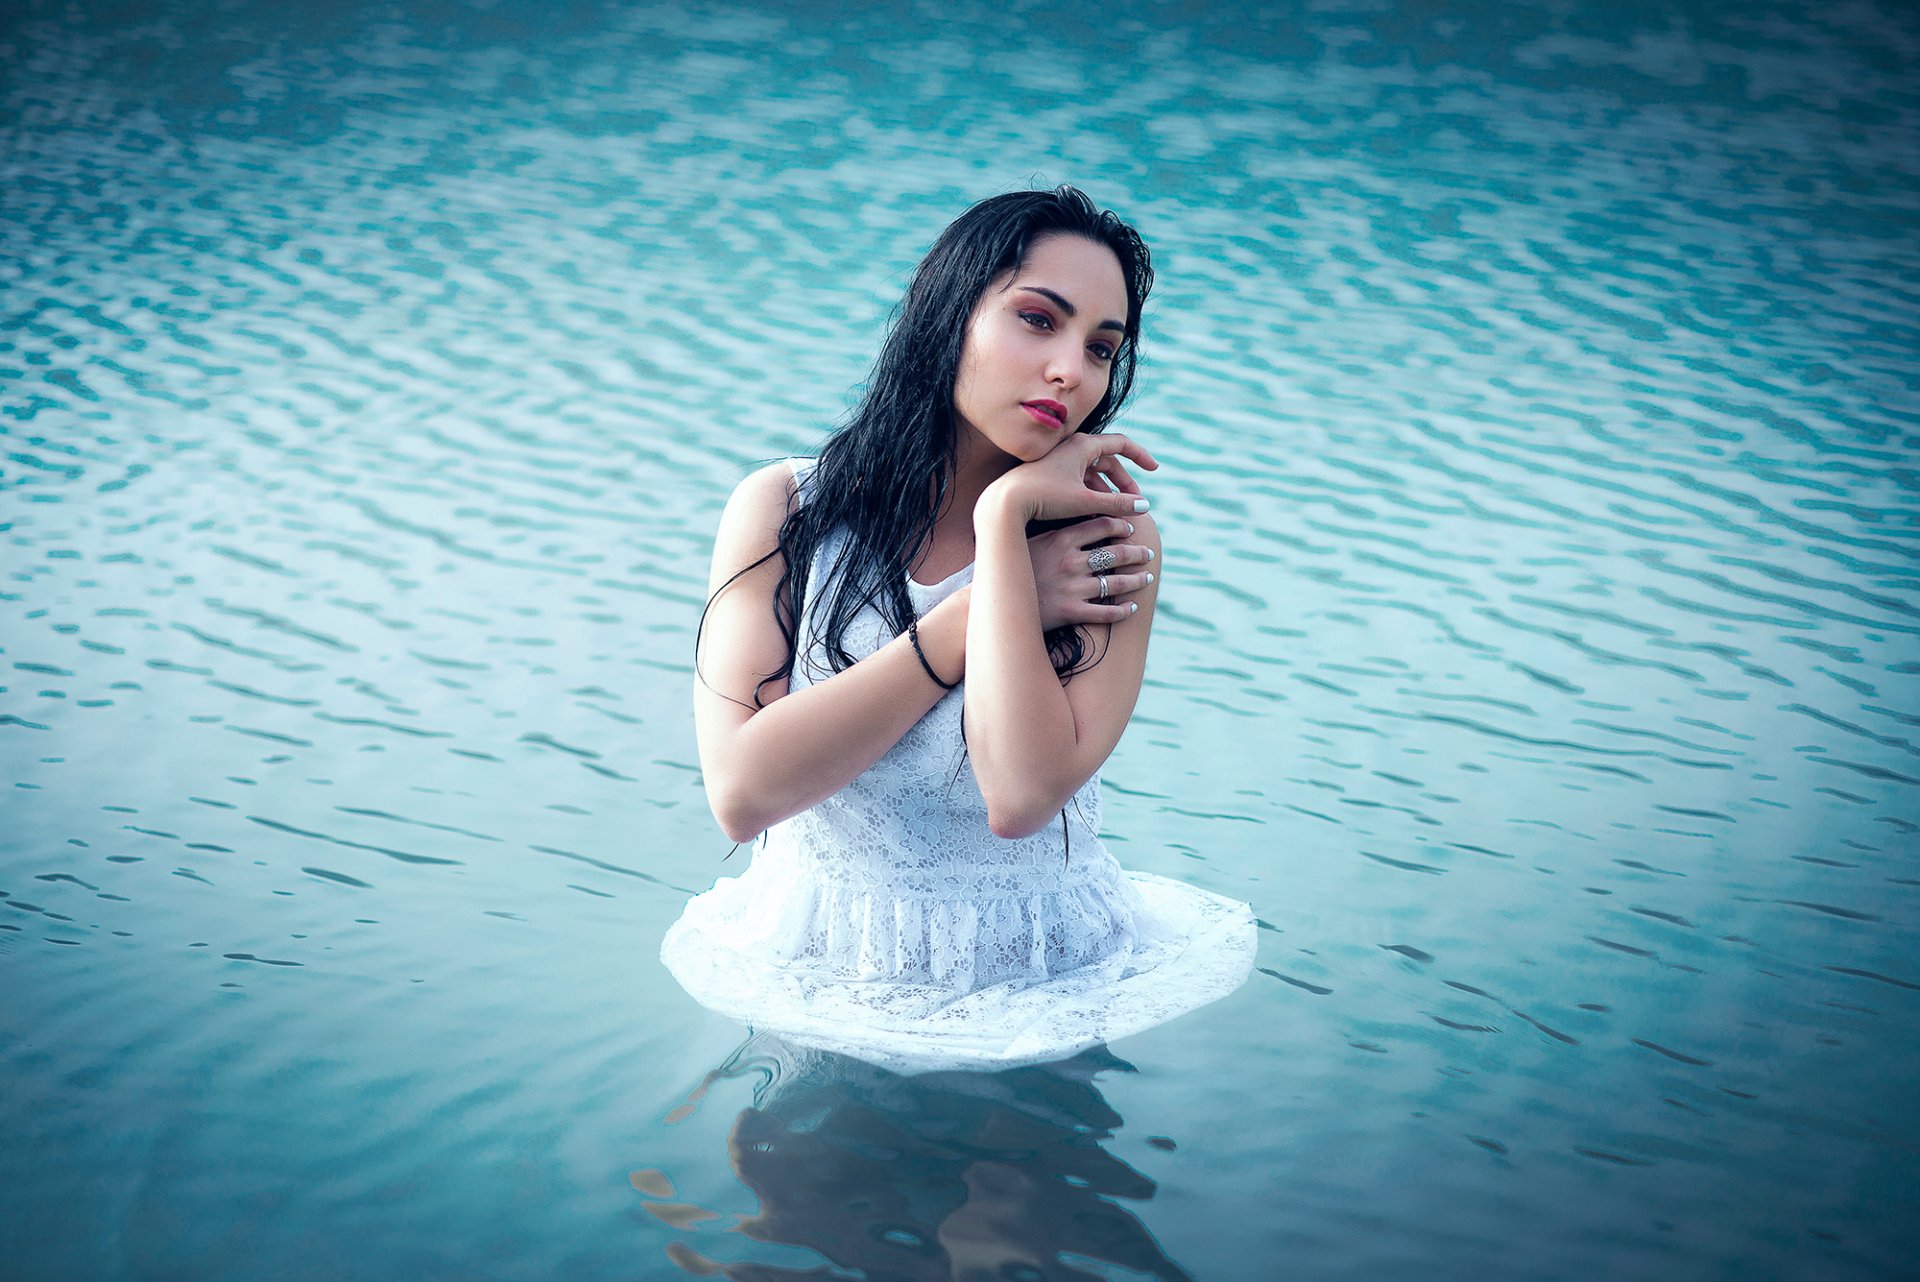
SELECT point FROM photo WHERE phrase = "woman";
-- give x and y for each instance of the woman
(918, 651)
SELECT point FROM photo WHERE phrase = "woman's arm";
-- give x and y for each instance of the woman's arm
(763, 764)
(1032, 741)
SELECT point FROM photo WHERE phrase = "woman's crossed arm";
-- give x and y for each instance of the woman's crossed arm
(1032, 740)
(764, 762)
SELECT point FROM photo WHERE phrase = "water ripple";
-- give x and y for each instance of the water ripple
(1536, 399)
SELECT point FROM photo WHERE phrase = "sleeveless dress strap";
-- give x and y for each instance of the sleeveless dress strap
(801, 468)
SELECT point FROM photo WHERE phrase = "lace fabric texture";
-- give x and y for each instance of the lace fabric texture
(890, 924)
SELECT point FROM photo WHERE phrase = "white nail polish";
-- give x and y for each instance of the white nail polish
(1141, 505)
(1149, 576)
(1149, 554)
(1129, 525)
(1133, 607)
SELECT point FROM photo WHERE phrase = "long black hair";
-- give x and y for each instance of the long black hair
(884, 475)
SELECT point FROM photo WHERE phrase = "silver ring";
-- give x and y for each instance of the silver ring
(1100, 560)
(1103, 587)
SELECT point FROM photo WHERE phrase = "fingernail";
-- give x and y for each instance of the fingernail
(1141, 505)
(1149, 554)
(1133, 607)
(1129, 525)
(1149, 576)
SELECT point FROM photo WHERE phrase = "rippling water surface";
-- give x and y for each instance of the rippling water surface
(1540, 649)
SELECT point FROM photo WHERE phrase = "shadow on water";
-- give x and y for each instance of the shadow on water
(940, 1175)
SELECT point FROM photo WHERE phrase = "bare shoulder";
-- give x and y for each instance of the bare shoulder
(766, 492)
(750, 526)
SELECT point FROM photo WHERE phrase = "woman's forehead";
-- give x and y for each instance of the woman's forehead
(1083, 271)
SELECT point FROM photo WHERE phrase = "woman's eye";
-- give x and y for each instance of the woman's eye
(1102, 352)
(1039, 320)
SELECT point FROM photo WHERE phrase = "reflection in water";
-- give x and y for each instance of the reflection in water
(944, 1175)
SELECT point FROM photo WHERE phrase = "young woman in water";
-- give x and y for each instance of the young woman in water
(919, 650)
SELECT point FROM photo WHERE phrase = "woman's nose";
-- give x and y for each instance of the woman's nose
(1063, 366)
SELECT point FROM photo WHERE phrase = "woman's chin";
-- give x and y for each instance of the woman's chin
(1022, 446)
(1026, 449)
(1042, 446)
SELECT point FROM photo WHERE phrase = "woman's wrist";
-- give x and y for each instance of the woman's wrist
(1004, 503)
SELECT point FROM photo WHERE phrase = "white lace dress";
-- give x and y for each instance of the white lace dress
(889, 923)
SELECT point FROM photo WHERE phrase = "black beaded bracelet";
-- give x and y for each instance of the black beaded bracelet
(913, 635)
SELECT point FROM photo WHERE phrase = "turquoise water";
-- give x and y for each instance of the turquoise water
(1539, 652)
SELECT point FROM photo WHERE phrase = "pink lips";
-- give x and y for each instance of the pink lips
(1046, 413)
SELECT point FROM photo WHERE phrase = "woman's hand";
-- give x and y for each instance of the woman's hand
(1069, 587)
(1082, 476)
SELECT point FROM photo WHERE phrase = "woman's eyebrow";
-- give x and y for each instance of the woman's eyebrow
(1069, 308)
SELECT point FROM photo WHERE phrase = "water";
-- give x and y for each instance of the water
(1538, 652)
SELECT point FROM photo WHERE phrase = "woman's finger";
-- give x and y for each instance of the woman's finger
(1093, 612)
(1115, 558)
(1118, 585)
(1099, 530)
(1109, 444)
(1118, 476)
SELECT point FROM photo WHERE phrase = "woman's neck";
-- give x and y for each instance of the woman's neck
(977, 463)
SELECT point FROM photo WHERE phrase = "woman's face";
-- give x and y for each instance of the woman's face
(1040, 347)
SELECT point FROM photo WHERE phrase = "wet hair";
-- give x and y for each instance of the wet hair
(884, 475)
